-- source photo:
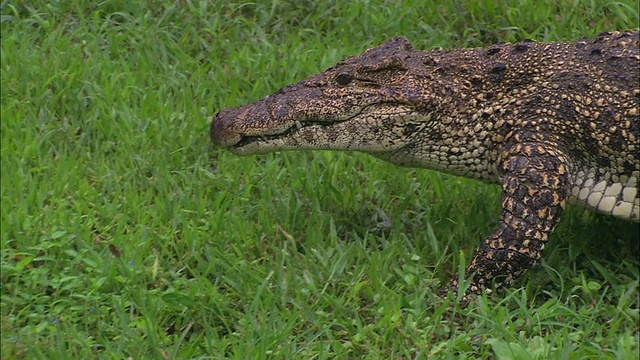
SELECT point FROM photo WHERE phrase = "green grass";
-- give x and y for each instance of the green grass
(126, 235)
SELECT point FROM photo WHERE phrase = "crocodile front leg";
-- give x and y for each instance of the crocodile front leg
(534, 184)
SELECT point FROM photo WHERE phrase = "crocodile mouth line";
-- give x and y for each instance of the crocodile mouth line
(246, 140)
(297, 126)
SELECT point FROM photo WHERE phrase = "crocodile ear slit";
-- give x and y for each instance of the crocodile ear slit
(389, 63)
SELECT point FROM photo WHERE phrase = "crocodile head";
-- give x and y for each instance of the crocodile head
(373, 102)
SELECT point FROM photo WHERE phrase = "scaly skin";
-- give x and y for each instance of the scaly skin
(552, 123)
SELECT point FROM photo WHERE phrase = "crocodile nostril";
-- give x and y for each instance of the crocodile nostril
(217, 132)
(226, 126)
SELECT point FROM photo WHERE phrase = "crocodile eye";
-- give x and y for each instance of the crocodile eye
(343, 79)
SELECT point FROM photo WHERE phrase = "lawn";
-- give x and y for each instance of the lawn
(126, 235)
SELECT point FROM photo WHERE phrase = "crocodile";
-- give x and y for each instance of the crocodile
(552, 123)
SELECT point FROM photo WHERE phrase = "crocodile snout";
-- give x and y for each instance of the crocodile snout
(224, 131)
(230, 126)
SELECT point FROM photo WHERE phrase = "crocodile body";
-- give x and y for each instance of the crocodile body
(552, 123)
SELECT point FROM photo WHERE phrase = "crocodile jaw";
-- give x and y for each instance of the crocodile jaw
(379, 127)
(282, 121)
